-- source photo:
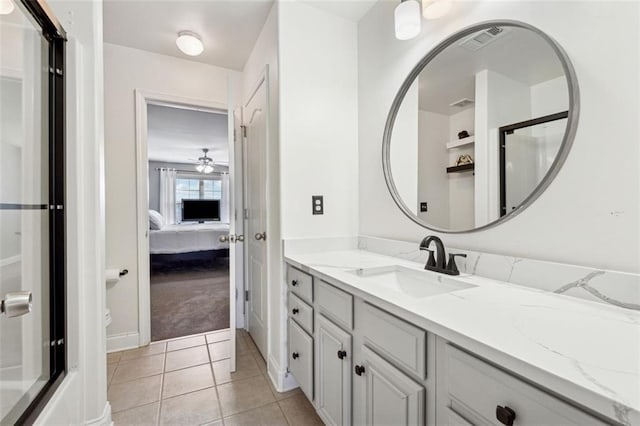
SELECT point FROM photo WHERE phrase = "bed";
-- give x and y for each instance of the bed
(187, 238)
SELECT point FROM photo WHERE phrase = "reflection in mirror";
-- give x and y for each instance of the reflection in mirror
(479, 128)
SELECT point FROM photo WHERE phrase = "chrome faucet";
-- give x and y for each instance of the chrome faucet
(438, 263)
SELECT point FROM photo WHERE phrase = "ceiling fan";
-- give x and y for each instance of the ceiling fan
(205, 163)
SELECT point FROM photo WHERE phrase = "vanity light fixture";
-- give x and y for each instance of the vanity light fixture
(190, 43)
(6, 7)
(408, 20)
(434, 9)
(205, 163)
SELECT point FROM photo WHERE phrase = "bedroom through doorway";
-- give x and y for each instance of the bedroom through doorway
(189, 192)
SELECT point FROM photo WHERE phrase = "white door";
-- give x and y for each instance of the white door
(229, 185)
(255, 116)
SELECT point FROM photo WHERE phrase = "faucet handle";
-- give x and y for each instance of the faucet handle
(451, 265)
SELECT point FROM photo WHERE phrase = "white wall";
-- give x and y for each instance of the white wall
(126, 70)
(589, 213)
(433, 182)
(318, 116)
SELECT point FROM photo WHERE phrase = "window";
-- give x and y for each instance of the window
(188, 188)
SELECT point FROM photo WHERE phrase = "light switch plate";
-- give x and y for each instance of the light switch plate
(317, 204)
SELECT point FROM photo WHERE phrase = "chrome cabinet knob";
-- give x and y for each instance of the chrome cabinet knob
(16, 303)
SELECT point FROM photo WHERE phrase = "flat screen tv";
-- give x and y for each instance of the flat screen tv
(200, 210)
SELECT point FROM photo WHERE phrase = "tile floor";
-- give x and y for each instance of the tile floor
(186, 381)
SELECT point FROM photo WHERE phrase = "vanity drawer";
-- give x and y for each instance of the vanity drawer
(301, 358)
(301, 312)
(475, 390)
(335, 304)
(395, 339)
(300, 283)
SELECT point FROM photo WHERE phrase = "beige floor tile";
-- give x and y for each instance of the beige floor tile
(187, 342)
(113, 357)
(246, 367)
(216, 423)
(111, 368)
(262, 365)
(194, 408)
(138, 392)
(299, 411)
(139, 416)
(283, 395)
(268, 415)
(243, 395)
(186, 358)
(220, 350)
(139, 367)
(152, 349)
(187, 380)
(218, 336)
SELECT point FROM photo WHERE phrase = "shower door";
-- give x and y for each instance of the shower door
(32, 319)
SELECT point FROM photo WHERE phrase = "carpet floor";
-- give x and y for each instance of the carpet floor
(189, 297)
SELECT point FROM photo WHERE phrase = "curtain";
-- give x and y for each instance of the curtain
(224, 202)
(168, 195)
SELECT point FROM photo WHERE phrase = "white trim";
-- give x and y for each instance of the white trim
(143, 98)
(104, 419)
(120, 342)
(281, 379)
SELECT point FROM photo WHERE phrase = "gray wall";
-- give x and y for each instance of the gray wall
(154, 179)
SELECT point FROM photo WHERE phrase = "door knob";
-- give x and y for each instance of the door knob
(16, 303)
(223, 238)
(240, 238)
(261, 236)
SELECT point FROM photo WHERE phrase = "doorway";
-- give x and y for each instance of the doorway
(185, 159)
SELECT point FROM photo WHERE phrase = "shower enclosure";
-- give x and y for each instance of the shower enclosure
(32, 277)
(527, 151)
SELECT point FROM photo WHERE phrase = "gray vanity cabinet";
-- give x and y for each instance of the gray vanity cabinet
(333, 372)
(384, 395)
(301, 358)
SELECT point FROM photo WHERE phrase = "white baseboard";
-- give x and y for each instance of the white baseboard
(282, 380)
(120, 342)
(104, 419)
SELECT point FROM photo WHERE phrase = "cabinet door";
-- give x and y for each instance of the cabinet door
(301, 358)
(386, 396)
(333, 372)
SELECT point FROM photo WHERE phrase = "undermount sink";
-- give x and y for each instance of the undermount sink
(411, 282)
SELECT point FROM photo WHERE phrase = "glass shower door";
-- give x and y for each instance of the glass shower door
(27, 334)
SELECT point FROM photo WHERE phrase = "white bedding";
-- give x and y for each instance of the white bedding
(185, 238)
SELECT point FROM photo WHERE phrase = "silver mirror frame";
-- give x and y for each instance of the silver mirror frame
(563, 152)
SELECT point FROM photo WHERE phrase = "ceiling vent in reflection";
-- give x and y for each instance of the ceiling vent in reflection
(480, 39)
(464, 102)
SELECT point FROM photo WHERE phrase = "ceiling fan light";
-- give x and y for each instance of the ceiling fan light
(6, 7)
(200, 168)
(189, 43)
(208, 168)
(408, 19)
(434, 9)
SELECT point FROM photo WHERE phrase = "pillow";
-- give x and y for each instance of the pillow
(156, 221)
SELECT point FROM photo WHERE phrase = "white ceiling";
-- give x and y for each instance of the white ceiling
(352, 10)
(229, 28)
(520, 54)
(178, 135)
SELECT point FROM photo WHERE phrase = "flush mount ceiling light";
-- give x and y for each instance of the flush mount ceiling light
(6, 7)
(189, 43)
(434, 9)
(408, 20)
(205, 163)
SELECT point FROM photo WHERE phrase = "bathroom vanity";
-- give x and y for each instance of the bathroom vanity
(375, 339)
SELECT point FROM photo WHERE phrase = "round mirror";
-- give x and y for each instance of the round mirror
(480, 127)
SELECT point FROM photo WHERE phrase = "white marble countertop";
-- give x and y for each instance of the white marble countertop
(584, 351)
